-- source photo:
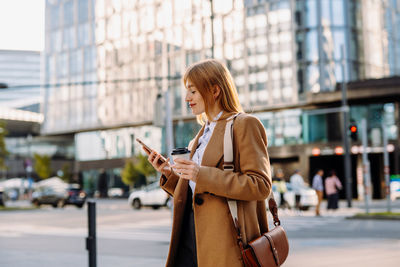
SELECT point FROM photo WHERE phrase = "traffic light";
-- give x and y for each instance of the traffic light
(353, 131)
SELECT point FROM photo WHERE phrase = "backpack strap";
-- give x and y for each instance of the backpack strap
(228, 146)
(229, 166)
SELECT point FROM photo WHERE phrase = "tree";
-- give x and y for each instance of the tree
(132, 172)
(66, 173)
(129, 174)
(144, 166)
(42, 166)
(3, 149)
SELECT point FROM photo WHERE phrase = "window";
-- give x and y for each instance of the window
(83, 34)
(69, 13)
(83, 11)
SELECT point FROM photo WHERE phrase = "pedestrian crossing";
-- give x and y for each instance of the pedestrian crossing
(151, 230)
(303, 221)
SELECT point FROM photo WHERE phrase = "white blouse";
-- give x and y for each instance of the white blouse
(202, 145)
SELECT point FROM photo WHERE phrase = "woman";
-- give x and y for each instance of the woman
(332, 184)
(203, 233)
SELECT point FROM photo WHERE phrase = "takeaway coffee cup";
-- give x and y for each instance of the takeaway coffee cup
(180, 152)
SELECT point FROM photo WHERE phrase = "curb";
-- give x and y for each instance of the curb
(374, 217)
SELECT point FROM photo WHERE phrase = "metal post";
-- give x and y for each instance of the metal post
(366, 169)
(91, 239)
(345, 135)
(168, 124)
(386, 167)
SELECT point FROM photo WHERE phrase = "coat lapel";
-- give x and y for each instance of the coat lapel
(215, 147)
(193, 146)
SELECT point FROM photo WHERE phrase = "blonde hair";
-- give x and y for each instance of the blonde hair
(205, 75)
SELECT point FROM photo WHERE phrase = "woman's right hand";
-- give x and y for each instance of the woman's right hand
(164, 168)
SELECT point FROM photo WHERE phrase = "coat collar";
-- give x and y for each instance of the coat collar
(196, 142)
(215, 148)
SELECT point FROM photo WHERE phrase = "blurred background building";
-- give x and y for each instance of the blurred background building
(106, 61)
(20, 100)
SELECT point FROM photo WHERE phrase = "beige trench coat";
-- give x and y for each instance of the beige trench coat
(250, 184)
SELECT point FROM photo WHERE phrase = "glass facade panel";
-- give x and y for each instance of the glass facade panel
(317, 129)
(54, 14)
(83, 11)
(338, 12)
(306, 13)
(184, 132)
(121, 46)
(68, 14)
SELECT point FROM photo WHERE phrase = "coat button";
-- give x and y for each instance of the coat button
(198, 200)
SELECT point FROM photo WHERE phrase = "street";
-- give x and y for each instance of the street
(126, 237)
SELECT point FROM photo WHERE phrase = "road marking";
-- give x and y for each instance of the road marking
(154, 230)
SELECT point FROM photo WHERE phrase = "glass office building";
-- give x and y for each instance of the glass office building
(106, 61)
(21, 68)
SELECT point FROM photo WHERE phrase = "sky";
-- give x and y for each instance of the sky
(22, 24)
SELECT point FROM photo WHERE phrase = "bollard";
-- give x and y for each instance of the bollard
(91, 239)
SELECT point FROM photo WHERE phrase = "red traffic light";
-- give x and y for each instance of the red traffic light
(353, 128)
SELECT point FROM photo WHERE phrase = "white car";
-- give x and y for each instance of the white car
(115, 192)
(308, 198)
(151, 195)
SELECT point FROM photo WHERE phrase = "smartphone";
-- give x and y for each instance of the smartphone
(148, 150)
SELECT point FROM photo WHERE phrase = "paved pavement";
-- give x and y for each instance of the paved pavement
(55, 237)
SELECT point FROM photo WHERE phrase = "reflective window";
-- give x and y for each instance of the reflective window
(306, 13)
(332, 12)
(355, 15)
(375, 115)
(184, 132)
(176, 90)
(307, 45)
(68, 38)
(68, 13)
(317, 131)
(338, 42)
(83, 34)
(62, 64)
(283, 128)
(54, 21)
(75, 62)
(312, 79)
(83, 11)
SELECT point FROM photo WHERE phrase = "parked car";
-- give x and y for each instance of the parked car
(308, 197)
(58, 194)
(76, 196)
(115, 192)
(151, 195)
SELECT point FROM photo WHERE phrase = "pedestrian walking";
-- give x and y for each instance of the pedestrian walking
(318, 186)
(203, 232)
(297, 183)
(332, 185)
(102, 186)
(280, 183)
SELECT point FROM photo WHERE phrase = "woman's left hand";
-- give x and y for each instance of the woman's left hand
(187, 169)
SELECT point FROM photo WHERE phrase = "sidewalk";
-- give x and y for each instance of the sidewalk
(18, 204)
(343, 211)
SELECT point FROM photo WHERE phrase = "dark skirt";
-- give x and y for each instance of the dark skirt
(333, 201)
(187, 256)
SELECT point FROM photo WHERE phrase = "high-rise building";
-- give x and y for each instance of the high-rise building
(20, 100)
(106, 62)
(22, 69)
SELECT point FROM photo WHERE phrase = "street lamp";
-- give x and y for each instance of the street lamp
(346, 143)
